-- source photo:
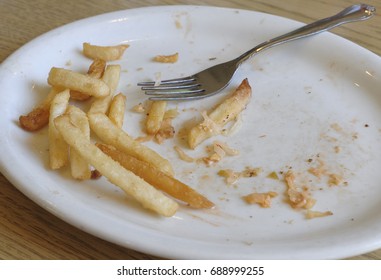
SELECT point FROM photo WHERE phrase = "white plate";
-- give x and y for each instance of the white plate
(317, 96)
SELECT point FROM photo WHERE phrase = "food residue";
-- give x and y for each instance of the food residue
(139, 108)
(319, 170)
(317, 214)
(299, 198)
(172, 58)
(262, 199)
(335, 179)
(232, 177)
(217, 152)
(273, 175)
(183, 156)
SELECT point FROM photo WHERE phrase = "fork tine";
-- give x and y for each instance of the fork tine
(174, 92)
(184, 80)
(179, 96)
(170, 87)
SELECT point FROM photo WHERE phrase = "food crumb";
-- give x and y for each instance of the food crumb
(172, 58)
(297, 198)
(336, 127)
(317, 214)
(95, 174)
(262, 199)
(217, 152)
(335, 179)
(166, 131)
(337, 149)
(232, 177)
(178, 24)
(183, 155)
(319, 170)
(139, 108)
(273, 175)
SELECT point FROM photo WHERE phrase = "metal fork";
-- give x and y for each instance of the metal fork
(214, 79)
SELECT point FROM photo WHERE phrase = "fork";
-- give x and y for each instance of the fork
(214, 79)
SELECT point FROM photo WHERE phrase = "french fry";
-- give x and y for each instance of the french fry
(155, 116)
(110, 134)
(225, 112)
(107, 53)
(39, 116)
(58, 149)
(96, 70)
(117, 109)
(131, 184)
(111, 79)
(157, 178)
(77, 81)
(79, 167)
(80, 96)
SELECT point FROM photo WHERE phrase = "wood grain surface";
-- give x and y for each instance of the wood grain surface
(29, 232)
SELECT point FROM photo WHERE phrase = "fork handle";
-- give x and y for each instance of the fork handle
(353, 13)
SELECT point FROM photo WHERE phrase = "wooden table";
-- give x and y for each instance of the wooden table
(29, 232)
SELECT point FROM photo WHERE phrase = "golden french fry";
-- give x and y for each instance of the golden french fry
(58, 149)
(155, 116)
(111, 79)
(77, 95)
(172, 58)
(133, 185)
(117, 109)
(39, 116)
(35, 119)
(225, 112)
(79, 167)
(157, 178)
(78, 81)
(110, 134)
(106, 53)
(96, 70)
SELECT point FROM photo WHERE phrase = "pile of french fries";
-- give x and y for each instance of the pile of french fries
(138, 170)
